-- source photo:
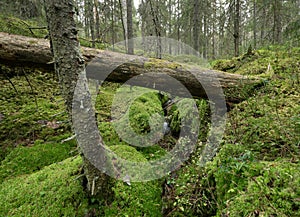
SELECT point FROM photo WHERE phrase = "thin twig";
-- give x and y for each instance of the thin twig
(12, 84)
(43, 27)
(69, 138)
(35, 99)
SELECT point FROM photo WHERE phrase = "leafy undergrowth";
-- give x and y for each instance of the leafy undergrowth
(256, 172)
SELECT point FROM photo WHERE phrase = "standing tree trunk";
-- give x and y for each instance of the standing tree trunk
(113, 24)
(157, 27)
(178, 28)
(92, 20)
(254, 24)
(263, 26)
(97, 19)
(129, 27)
(277, 21)
(69, 65)
(236, 33)
(123, 20)
(196, 25)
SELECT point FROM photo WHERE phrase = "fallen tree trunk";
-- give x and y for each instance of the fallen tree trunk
(117, 67)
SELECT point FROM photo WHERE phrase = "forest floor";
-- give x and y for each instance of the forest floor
(256, 171)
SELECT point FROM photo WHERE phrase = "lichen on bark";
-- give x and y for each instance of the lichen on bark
(69, 65)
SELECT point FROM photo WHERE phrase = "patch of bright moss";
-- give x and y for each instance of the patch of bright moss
(53, 191)
(29, 114)
(259, 62)
(25, 160)
(137, 199)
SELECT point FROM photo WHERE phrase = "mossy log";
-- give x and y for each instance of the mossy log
(117, 67)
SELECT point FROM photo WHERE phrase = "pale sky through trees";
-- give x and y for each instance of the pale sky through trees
(136, 3)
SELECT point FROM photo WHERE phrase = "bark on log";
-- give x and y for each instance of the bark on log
(117, 67)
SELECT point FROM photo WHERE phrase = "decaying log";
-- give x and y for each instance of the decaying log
(117, 67)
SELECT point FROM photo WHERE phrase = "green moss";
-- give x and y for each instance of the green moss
(142, 109)
(280, 59)
(186, 113)
(25, 160)
(245, 188)
(53, 191)
(137, 199)
(17, 26)
(256, 171)
(29, 114)
(268, 123)
(128, 153)
(152, 152)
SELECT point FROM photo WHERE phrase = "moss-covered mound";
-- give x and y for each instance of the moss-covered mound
(56, 190)
(261, 62)
(26, 160)
(134, 199)
(53, 191)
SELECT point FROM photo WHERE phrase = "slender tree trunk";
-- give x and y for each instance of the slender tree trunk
(214, 6)
(277, 21)
(113, 24)
(205, 28)
(178, 28)
(97, 19)
(92, 20)
(123, 19)
(170, 25)
(69, 64)
(143, 29)
(236, 33)
(254, 24)
(130, 27)
(86, 19)
(196, 25)
(157, 30)
(262, 31)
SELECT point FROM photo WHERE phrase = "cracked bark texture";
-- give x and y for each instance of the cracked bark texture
(70, 65)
